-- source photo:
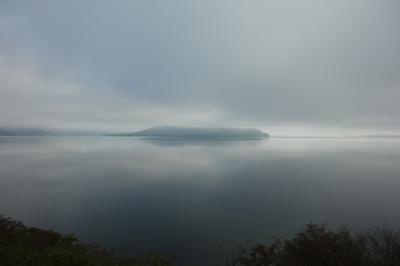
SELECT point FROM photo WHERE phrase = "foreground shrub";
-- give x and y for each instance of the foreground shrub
(22, 245)
(317, 245)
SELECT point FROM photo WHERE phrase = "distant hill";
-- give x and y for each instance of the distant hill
(37, 132)
(197, 133)
(6, 133)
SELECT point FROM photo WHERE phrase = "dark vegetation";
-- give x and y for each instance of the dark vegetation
(22, 245)
(316, 245)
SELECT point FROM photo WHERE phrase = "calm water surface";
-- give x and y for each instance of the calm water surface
(197, 199)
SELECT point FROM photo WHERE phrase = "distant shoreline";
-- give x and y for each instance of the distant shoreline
(173, 132)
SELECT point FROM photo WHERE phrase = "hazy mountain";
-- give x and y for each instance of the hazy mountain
(6, 133)
(198, 133)
(37, 132)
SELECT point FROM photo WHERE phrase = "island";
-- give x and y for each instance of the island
(173, 132)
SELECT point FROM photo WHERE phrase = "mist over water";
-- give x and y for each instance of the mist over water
(197, 199)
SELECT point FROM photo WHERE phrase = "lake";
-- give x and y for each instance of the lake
(197, 199)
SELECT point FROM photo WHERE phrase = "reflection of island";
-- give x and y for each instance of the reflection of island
(213, 133)
(201, 142)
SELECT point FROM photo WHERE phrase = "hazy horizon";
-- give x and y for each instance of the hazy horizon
(285, 67)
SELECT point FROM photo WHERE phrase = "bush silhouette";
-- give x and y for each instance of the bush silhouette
(29, 246)
(317, 245)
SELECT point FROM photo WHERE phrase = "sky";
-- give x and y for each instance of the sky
(286, 66)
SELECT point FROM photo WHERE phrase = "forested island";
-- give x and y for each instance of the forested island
(197, 133)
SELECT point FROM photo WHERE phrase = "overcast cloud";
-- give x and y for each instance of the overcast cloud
(125, 65)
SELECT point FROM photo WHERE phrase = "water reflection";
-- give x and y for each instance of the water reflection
(162, 142)
(197, 199)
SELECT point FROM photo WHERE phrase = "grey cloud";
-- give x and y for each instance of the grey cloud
(318, 63)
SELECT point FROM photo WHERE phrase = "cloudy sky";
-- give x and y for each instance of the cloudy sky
(286, 66)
